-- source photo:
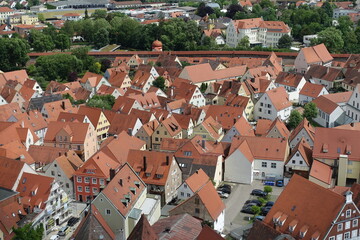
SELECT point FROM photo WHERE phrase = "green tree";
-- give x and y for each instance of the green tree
(95, 68)
(41, 17)
(13, 52)
(101, 38)
(332, 38)
(294, 119)
(86, 14)
(41, 42)
(159, 82)
(268, 189)
(99, 13)
(57, 66)
(310, 111)
(105, 64)
(203, 87)
(244, 43)
(62, 42)
(328, 8)
(256, 210)
(233, 9)
(102, 101)
(285, 41)
(27, 232)
(82, 54)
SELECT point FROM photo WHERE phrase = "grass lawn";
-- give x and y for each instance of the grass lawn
(109, 48)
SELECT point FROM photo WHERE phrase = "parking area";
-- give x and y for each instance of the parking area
(239, 195)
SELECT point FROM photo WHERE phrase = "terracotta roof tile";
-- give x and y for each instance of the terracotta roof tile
(143, 230)
(289, 79)
(321, 172)
(341, 97)
(311, 90)
(225, 115)
(10, 170)
(44, 155)
(279, 98)
(325, 105)
(78, 131)
(305, 151)
(244, 128)
(304, 124)
(197, 180)
(318, 53)
(262, 126)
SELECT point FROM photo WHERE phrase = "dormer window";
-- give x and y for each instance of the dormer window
(325, 148)
(147, 174)
(159, 175)
(133, 190)
(137, 184)
(125, 202)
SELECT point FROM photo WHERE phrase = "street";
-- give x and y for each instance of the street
(240, 193)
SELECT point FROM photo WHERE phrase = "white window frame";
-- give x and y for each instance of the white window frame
(79, 188)
(348, 213)
(106, 212)
(355, 222)
(87, 189)
(340, 227)
(94, 180)
(79, 179)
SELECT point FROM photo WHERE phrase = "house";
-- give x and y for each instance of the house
(186, 124)
(62, 170)
(335, 215)
(146, 131)
(120, 79)
(292, 82)
(325, 75)
(71, 17)
(18, 132)
(192, 184)
(93, 225)
(314, 55)
(10, 95)
(246, 103)
(172, 227)
(227, 116)
(42, 196)
(106, 90)
(329, 113)
(79, 137)
(300, 160)
(168, 128)
(142, 80)
(255, 158)
(321, 174)
(98, 120)
(240, 128)
(92, 82)
(206, 205)
(197, 153)
(143, 230)
(123, 200)
(215, 34)
(259, 32)
(191, 93)
(246, 4)
(93, 176)
(353, 105)
(51, 110)
(160, 172)
(274, 103)
(125, 105)
(135, 61)
(310, 91)
(147, 100)
(123, 122)
(209, 129)
(340, 98)
(5, 12)
(258, 86)
(338, 148)
(303, 130)
(277, 129)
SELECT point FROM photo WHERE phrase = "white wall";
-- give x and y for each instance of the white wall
(230, 134)
(303, 133)
(238, 168)
(278, 171)
(220, 222)
(299, 162)
(184, 188)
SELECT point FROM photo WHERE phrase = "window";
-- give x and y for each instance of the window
(347, 225)
(87, 189)
(182, 194)
(79, 179)
(188, 195)
(67, 185)
(301, 162)
(348, 213)
(355, 222)
(107, 212)
(101, 181)
(347, 235)
(187, 153)
(297, 154)
(197, 201)
(340, 227)
(94, 180)
(52, 173)
(86, 179)
(197, 211)
(293, 161)
(263, 164)
(185, 186)
(95, 190)
(79, 189)
(332, 238)
(273, 165)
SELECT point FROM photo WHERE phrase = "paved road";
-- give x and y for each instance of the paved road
(240, 193)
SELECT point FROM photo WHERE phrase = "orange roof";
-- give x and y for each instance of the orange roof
(77, 131)
(147, 100)
(297, 203)
(71, 15)
(197, 180)
(213, 127)
(263, 147)
(20, 75)
(305, 151)
(340, 97)
(318, 53)
(92, 113)
(304, 124)
(171, 125)
(325, 105)
(93, 78)
(275, 26)
(243, 127)
(17, 150)
(150, 165)
(351, 126)
(143, 230)
(289, 79)
(311, 90)
(54, 108)
(69, 166)
(34, 189)
(122, 122)
(246, 3)
(279, 98)
(5, 9)
(321, 172)
(330, 142)
(211, 200)
(248, 23)
(262, 126)
(118, 190)
(209, 233)
(124, 104)
(281, 128)
(45, 154)
(225, 115)
(10, 170)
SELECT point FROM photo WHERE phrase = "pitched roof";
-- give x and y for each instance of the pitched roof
(325, 73)
(225, 115)
(213, 127)
(321, 172)
(119, 188)
(279, 97)
(340, 97)
(92, 113)
(124, 104)
(296, 204)
(93, 78)
(289, 79)
(330, 142)
(244, 127)
(143, 230)
(171, 125)
(9, 171)
(178, 227)
(122, 122)
(248, 23)
(208, 233)
(19, 75)
(325, 105)
(262, 231)
(281, 127)
(77, 131)
(275, 26)
(54, 108)
(45, 154)
(197, 180)
(318, 53)
(262, 126)
(311, 90)
(69, 166)
(305, 151)
(304, 124)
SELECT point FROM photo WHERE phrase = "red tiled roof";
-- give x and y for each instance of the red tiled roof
(289, 79)
(311, 90)
(10, 170)
(305, 151)
(321, 172)
(77, 131)
(197, 180)
(143, 230)
(304, 124)
(325, 105)
(279, 98)
(340, 97)
(262, 126)
(318, 53)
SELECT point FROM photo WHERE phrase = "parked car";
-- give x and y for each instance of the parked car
(259, 218)
(54, 237)
(268, 204)
(63, 231)
(265, 210)
(247, 209)
(249, 205)
(225, 188)
(222, 194)
(279, 183)
(72, 221)
(259, 193)
(257, 202)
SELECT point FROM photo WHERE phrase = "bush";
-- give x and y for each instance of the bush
(256, 210)
(268, 189)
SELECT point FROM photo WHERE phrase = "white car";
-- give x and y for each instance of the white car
(222, 194)
(54, 237)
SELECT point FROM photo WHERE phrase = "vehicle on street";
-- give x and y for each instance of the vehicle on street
(72, 221)
(259, 193)
(225, 188)
(279, 183)
(268, 204)
(259, 218)
(63, 231)
(222, 194)
(249, 205)
(247, 209)
(54, 237)
(257, 202)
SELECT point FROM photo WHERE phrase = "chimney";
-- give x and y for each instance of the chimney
(63, 105)
(144, 160)
(203, 144)
(348, 196)
(167, 160)
(112, 173)
(120, 182)
(22, 124)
